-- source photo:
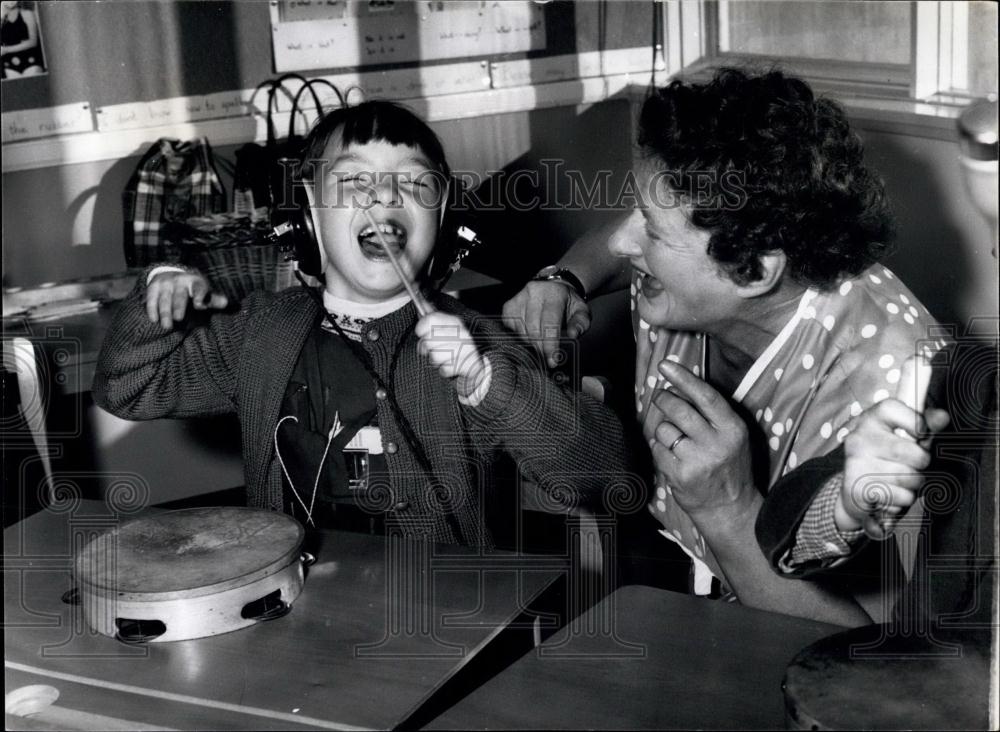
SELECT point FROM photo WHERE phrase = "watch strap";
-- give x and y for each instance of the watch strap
(565, 276)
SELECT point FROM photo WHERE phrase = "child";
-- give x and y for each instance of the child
(341, 411)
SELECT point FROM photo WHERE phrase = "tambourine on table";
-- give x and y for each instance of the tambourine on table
(878, 678)
(190, 573)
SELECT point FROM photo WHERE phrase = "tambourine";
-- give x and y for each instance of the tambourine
(875, 677)
(190, 573)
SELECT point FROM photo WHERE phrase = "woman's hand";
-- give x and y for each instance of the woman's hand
(883, 464)
(446, 343)
(701, 446)
(543, 311)
(168, 294)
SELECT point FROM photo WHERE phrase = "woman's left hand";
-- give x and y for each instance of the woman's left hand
(700, 445)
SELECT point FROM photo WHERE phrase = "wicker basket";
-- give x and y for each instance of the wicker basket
(239, 270)
(233, 252)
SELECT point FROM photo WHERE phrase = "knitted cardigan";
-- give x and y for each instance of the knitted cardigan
(241, 362)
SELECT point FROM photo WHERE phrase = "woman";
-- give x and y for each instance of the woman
(20, 49)
(764, 325)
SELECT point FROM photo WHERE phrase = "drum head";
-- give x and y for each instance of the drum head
(178, 552)
(872, 677)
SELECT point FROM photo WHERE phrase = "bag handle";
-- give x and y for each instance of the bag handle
(312, 91)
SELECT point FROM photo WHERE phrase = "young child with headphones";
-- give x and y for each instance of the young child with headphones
(354, 408)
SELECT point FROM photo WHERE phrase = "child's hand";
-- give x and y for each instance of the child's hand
(168, 293)
(447, 344)
(882, 469)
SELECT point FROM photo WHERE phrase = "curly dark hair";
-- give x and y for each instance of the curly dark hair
(767, 165)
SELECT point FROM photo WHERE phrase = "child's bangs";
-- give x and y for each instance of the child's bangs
(387, 122)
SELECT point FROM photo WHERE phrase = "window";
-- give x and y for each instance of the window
(928, 51)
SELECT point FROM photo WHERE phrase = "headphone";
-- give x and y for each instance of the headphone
(294, 232)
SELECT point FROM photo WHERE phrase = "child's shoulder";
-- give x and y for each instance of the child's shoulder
(477, 321)
(264, 304)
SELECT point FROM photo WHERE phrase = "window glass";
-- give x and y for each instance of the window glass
(848, 30)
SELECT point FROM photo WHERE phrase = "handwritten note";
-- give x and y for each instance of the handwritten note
(29, 124)
(315, 35)
(174, 110)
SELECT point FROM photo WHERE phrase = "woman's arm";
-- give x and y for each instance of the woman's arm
(702, 448)
(544, 311)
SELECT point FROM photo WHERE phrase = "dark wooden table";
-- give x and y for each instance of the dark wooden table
(646, 658)
(361, 648)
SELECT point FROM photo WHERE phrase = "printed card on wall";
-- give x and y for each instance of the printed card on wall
(319, 34)
(21, 49)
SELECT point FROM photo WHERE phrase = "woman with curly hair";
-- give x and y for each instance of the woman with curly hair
(764, 325)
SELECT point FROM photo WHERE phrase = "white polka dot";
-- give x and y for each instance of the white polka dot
(807, 361)
(875, 279)
(670, 491)
(638, 405)
(887, 273)
(650, 381)
(778, 429)
(886, 361)
(829, 321)
(893, 376)
(694, 533)
(632, 305)
(908, 318)
(643, 324)
(778, 373)
(661, 506)
(842, 433)
(768, 414)
(846, 287)
(868, 331)
(793, 459)
(788, 425)
(809, 313)
(631, 290)
(914, 312)
(674, 357)
(880, 395)
(760, 413)
(855, 409)
(696, 370)
(892, 308)
(904, 299)
(826, 430)
(652, 336)
(661, 492)
(774, 442)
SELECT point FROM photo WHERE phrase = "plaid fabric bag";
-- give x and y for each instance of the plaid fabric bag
(173, 181)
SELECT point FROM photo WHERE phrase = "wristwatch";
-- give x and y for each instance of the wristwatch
(555, 273)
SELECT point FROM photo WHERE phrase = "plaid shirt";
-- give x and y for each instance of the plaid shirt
(173, 181)
(818, 537)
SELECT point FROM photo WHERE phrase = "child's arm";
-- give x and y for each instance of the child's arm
(559, 438)
(882, 464)
(147, 368)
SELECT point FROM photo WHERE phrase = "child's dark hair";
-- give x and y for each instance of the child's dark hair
(374, 120)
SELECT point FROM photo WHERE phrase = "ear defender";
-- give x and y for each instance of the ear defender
(294, 232)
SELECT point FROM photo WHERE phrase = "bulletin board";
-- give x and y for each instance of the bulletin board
(101, 54)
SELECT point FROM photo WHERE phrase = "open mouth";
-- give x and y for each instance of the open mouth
(649, 285)
(370, 241)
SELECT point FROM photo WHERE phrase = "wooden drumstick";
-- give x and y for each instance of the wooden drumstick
(914, 377)
(418, 301)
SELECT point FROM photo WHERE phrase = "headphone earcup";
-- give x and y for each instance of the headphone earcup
(296, 234)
